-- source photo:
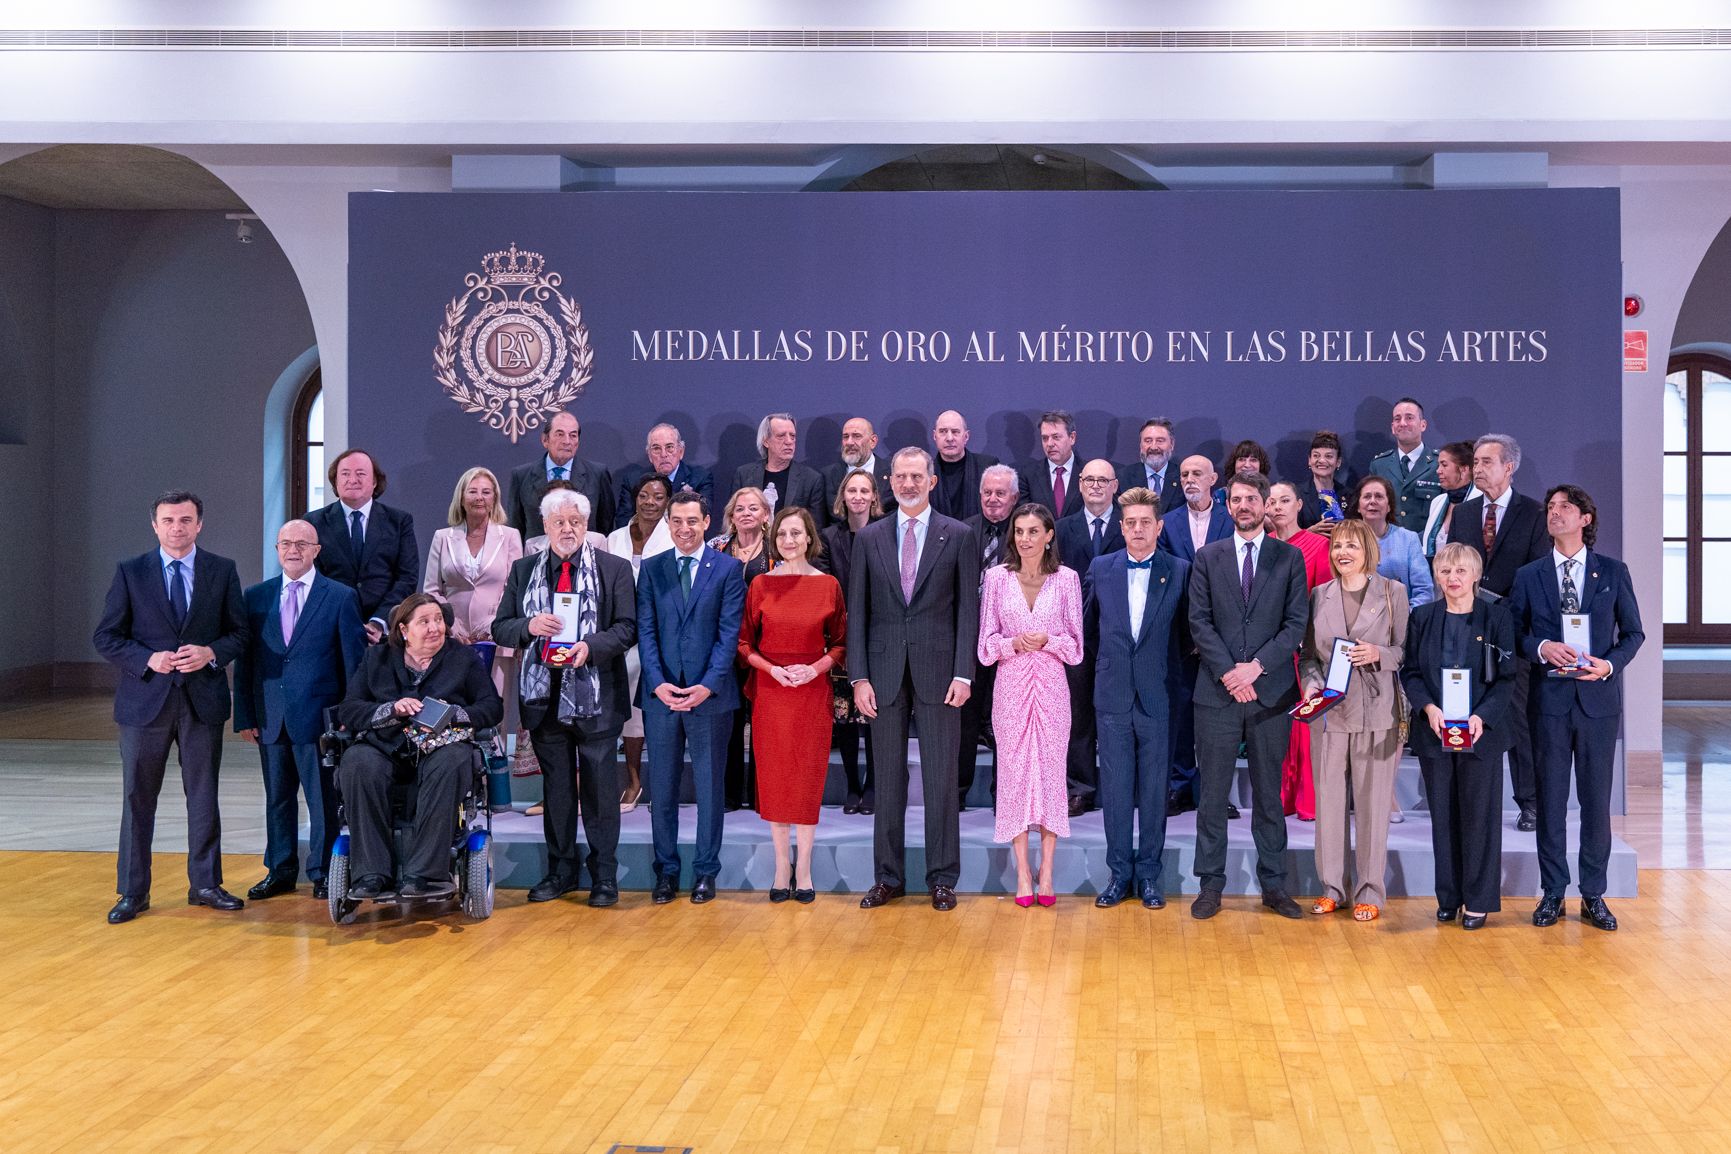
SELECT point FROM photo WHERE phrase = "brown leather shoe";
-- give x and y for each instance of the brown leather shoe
(880, 894)
(943, 898)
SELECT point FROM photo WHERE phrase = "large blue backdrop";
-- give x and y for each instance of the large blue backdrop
(1259, 315)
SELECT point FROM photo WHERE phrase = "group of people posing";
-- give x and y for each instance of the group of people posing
(1118, 636)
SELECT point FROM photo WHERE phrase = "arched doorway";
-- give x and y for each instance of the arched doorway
(1697, 523)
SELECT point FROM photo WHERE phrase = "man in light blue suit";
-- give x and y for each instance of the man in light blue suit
(306, 639)
(1134, 614)
(690, 600)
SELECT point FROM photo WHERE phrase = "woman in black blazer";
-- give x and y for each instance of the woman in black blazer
(857, 504)
(416, 665)
(1463, 630)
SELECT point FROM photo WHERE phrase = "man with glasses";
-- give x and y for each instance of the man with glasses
(1093, 530)
(305, 639)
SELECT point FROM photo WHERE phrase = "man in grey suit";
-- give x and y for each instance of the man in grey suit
(913, 620)
(1248, 611)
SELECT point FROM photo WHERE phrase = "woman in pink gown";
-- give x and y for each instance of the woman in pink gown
(1031, 627)
(1297, 786)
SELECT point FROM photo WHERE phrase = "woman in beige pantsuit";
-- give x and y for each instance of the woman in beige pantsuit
(1355, 746)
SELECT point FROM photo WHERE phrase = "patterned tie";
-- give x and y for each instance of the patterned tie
(177, 592)
(1248, 573)
(357, 536)
(1096, 535)
(1058, 491)
(1490, 528)
(1571, 595)
(910, 560)
(558, 472)
(685, 564)
(291, 611)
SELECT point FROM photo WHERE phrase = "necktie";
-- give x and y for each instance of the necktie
(1096, 535)
(910, 560)
(357, 536)
(1406, 466)
(558, 472)
(685, 564)
(177, 592)
(564, 585)
(1058, 491)
(291, 611)
(1490, 528)
(1247, 573)
(1571, 595)
(1148, 564)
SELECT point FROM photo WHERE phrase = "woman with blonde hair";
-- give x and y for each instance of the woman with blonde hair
(467, 566)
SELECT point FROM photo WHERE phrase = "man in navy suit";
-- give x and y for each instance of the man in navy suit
(690, 600)
(1199, 520)
(1082, 535)
(172, 620)
(1052, 481)
(366, 545)
(1153, 467)
(1574, 719)
(306, 639)
(1134, 607)
(665, 449)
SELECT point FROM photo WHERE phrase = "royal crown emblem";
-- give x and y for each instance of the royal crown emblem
(502, 356)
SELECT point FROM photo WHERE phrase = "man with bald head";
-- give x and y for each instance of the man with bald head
(305, 639)
(959, 468)
(665, 449)
(1183, 531)
(859, 443)
(1092, 530)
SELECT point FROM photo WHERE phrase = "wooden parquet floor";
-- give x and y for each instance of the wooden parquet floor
(750, 1027)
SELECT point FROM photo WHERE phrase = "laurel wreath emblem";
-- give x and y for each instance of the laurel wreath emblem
(513, 287)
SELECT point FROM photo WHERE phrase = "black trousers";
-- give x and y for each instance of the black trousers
(144, 761)
(1565, 741)
(365, 775)
(1081, 763)
(1183, 778)
(1466, 828)
(1265, 732)
(580, 777)
(740, 779)
(1522, 776)
(940, 730)
(847, 743)
(976, 722)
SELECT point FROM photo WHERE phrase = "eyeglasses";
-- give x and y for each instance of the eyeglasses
(296, 546)
(1097, 480)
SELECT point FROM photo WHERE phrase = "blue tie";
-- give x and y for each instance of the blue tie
(357, 536)
(177, 592)
(1148, 564)
(558, 472)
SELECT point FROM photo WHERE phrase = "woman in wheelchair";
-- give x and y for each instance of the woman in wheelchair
(416, 665)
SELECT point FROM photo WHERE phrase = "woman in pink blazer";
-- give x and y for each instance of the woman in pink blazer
(467, 567)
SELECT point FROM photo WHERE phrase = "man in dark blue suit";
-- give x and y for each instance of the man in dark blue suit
(665, 448)
(1198, 521)
(1154, 469)
(1574, 719)
(306, 639)
(172, 620)
(1133, 619)
(368, 546)
(1086, 533)
(690, 600)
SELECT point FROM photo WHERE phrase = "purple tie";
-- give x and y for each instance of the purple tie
(1244, 578)
(910, 560)
(1058, 492)
(291, 611)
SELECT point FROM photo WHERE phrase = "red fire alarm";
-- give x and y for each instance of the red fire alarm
(1631, 306)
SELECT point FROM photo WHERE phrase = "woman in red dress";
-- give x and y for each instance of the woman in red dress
(1297, 787)
(791, 637)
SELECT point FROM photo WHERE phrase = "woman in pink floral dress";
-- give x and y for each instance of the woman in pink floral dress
(1031, 627)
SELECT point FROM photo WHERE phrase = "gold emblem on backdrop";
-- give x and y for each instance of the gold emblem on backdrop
(502, 356)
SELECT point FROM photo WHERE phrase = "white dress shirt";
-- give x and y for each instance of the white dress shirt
(1137, 580)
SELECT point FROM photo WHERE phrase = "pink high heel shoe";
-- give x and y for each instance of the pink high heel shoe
(1047, 900)
(1025, 901)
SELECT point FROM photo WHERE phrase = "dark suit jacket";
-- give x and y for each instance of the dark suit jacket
(1270, 629)
(616, 631)
(136, 623)
(978, 524)
(933, 636)
(835, 473)
(1493, 674)
(1608, 595)
(837, 559)
(1135, 475)
(687, 476)
(456, 677)
(1521, 538)
(690, 641)
(1076, 544)
(390, 565)
(529, 485)
(1035, 479)
(1136, 671)
(805, 489)
(284, 689)
(1310, 500)
(973, 464)
(1175, 530)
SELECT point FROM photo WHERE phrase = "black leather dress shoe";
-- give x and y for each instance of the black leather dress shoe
(1232, 813)
(1206, 905)
(1177, 803)
(1078, 806)
(1473, 921)
(126, 909)
(1597, 914)
(270, 887)
(424, 888)
(374, 886)
(943, 898)
(1447, 915)
(550, 887)
(1281, 903)
(851, 805)
(1152, 898)
(214, 897)
(603, 894)
(880, 895)
(666, 888)
(868, 802)
(321, 890)
(1548, 911)
(1115, 892)
(1528, 822)
(703, 890)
